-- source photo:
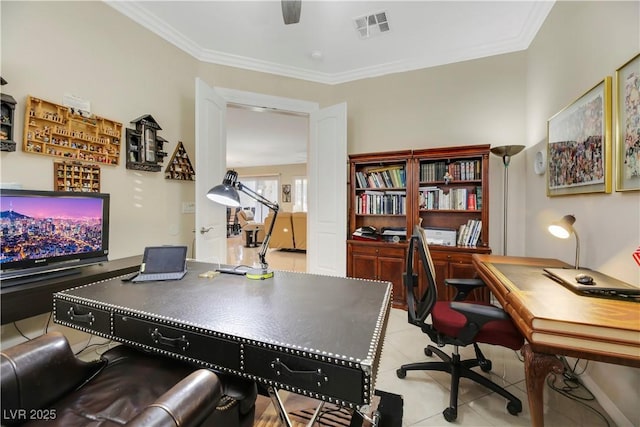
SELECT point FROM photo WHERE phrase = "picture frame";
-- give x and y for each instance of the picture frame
(579, 144)
(628, 125)
(286, 193)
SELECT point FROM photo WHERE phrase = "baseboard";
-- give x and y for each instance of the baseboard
(607, 404)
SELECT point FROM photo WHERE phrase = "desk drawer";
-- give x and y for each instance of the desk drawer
(340, 382)
(83, 316)
(217, 351)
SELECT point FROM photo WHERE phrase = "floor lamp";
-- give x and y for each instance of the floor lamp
(506, 152)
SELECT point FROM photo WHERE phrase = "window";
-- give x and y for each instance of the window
(300, 194)
(265, 186)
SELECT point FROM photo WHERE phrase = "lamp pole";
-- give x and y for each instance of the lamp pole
(506, 152)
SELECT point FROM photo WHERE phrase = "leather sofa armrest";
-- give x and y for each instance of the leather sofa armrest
(38, 372)
(186, 404)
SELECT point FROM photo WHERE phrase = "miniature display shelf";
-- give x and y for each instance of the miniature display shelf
(179, 167)
(7, 109)
(76, 177)
(55, 130)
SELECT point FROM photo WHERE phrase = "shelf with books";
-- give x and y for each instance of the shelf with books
(440, 188)
(452, 187)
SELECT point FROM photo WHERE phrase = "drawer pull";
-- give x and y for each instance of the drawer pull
(182, 343)
(81, 318)
(282, 369)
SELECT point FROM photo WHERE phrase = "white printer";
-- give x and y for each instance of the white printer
(441, 236)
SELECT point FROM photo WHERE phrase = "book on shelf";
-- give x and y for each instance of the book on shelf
(374, 202)
(469, 233)
(462, 170)
(365, 233)
(382, 177)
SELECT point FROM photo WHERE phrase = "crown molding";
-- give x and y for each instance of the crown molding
(132, 10)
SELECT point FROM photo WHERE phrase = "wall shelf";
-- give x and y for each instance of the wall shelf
(76, 177)
(179, 167)
(55, 130)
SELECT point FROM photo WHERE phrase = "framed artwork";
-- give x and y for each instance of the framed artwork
(579, 144)
(286, 193)
(628, 125)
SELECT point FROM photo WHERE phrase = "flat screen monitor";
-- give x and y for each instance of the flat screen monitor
(47, 231)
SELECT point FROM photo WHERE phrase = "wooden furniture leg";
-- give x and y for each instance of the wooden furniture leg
(536, 368)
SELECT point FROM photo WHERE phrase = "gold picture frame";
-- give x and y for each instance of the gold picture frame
(628, 125)
(579, 144)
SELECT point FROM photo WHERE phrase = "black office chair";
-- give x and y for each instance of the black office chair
(458, 324)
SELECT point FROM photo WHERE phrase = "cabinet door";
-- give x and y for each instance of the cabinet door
(390, 269)
(441, 265)
(364, 266)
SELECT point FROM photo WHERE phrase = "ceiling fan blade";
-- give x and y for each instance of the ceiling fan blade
(291, 11)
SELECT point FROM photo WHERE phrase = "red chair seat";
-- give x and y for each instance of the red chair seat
(449, 322)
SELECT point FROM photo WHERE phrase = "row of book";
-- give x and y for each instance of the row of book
(381, 203)
(463, 170)
(384, 177)
(469, 233)
(436, 198)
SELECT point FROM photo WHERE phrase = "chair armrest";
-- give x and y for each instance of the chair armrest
(464, 287)
(188, 403)
(38, 372)
(476, 316)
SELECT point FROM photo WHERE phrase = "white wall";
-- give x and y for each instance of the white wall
(90, 50)
(579, 44)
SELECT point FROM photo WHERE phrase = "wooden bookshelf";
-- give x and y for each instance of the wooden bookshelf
(439, 188)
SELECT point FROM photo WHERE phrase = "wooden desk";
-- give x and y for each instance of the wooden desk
(318, 336)
(558, 321)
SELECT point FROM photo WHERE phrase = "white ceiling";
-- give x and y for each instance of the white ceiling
(252, 35)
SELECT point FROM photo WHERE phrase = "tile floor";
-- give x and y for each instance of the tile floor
(427, 394)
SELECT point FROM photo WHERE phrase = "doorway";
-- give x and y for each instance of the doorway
(327, 173)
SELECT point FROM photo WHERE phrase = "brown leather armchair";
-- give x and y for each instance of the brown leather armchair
(43, 382)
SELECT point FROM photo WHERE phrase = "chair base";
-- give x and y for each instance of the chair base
(461, 369)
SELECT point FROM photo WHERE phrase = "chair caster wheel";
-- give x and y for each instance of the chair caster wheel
(514, 408)
(450, 414)
(428, 352)
(401, 373)
(485, 365)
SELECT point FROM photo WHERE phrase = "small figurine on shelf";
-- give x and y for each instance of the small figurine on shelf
(447, 178)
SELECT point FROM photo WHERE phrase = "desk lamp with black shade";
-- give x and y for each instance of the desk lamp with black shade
(562, 229)
(227, 194)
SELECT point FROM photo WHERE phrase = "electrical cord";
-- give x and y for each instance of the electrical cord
(571, 388)
(15, 325)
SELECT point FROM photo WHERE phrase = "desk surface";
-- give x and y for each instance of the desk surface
(330, 321)
(556, 320)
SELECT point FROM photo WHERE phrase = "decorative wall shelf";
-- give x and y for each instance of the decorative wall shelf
(7, 110)
(144, 146)
(179, 167)
(76, 177)
(55, 130)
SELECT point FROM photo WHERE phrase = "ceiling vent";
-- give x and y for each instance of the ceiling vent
(371, 25)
